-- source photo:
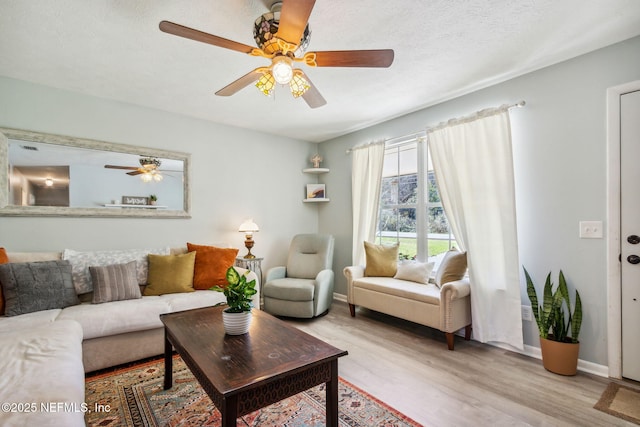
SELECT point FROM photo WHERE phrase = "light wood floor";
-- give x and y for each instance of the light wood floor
(409, 367)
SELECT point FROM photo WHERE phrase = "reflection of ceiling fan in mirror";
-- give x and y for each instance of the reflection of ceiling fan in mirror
(149, 169)
(282, 36)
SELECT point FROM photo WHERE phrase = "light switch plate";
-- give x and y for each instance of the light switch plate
(591, 229)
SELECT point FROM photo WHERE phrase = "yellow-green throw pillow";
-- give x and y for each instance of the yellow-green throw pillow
(382, 260)
(452, 268)
(170, 274)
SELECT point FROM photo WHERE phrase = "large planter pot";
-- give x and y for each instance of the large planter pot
(559, 357)
(236, 323)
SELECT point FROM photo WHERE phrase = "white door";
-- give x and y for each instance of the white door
(630, 232)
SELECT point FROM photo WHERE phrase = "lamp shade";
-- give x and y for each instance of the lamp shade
(282, 70)
(248, 226)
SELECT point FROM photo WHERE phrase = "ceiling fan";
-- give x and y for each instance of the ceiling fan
(149, 169)
(282, 36)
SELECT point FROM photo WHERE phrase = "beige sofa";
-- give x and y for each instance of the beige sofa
(45, 354)
(124, 331)
(446, 307)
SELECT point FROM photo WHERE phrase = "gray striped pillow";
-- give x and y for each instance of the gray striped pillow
(115, 282)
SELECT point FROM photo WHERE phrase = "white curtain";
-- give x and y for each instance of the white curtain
(473, 164)
(366, 177)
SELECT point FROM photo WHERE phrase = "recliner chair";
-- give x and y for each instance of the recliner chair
(304, 287)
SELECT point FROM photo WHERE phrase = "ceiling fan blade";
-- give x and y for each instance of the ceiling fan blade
(354, 58)
(190, 33)
(241, 83)
(134, 173)
(120, 167)
(312, 96)
(294, 16)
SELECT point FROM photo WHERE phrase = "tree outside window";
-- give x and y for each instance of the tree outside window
(411, 211)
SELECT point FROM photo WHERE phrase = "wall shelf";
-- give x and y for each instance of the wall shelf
(315, 170)
(118, 205)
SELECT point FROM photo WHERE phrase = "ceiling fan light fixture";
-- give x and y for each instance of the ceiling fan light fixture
(266, 27)
(298, 85)
(266, 83)
(282, 70)
(151, 175)
(150, 163)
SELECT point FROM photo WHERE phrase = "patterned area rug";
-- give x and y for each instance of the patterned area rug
(620, 401)
(134, 397)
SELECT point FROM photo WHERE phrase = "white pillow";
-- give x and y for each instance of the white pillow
(414, 271)
(81, 261)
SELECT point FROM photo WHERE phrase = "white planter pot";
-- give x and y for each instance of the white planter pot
(236, 323)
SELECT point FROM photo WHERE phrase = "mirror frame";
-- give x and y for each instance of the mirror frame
(24, 135)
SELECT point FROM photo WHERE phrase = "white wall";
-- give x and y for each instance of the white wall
(559, 147)
(235, 174)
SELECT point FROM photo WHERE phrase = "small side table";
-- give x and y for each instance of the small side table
(255, 265)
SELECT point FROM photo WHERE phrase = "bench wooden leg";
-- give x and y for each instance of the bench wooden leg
(467, 332)
(352, 310)
(450, 340)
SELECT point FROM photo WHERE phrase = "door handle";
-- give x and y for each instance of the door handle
(633, 259)
(633, 239)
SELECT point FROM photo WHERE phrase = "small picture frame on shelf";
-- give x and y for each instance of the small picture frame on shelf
(316, 191)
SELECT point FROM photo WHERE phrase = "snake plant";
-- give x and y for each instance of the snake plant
(551, 317)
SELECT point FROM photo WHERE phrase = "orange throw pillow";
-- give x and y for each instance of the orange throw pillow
(3, 260)
(211, 266)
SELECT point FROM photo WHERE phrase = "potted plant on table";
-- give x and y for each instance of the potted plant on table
(558, 329)
(153, 199)
(237, 316)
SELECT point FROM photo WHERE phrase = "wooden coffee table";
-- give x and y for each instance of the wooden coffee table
(247, 372)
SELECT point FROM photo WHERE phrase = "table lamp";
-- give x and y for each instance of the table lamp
(248, 228)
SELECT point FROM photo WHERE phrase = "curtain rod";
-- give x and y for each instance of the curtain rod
(395, 140)
(417, 135)
(474, 116)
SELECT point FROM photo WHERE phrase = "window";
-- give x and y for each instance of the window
(411, 211)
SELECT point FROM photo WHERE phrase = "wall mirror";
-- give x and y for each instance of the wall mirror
(53, 175)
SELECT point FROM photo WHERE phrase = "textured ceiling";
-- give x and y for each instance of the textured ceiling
(443, 48)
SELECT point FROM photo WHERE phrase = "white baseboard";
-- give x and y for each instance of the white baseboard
(531, 351)
(583, 365)
(339, 297)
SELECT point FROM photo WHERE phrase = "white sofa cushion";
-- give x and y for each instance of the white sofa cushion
(117, 317)
(43, 365)
(197, 299)
(28, 320)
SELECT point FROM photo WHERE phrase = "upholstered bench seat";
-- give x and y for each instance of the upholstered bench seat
(408, 291)
(401, 288)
